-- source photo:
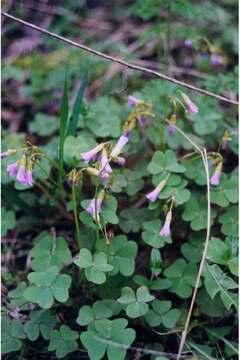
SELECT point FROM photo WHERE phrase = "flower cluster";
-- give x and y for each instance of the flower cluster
(102, 155)
(22, 169)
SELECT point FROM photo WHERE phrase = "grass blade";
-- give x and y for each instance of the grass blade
(62, 132)
(73, 121)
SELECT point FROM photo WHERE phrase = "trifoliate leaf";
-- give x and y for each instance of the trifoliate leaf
(121, 255)
(136, 303)
(94, 266)
(47, 285)
(151, 234)
(229, 221)
(44, 125)
(104, 118)
(100, 310)
(182, 276)
(63, 341)
(164, 162)
(226, 192)
(40, 322)
(196, 213)
(50, 251)
(161, 313)
(12, 334)
(106, 336)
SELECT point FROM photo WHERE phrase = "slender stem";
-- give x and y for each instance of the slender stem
(76, 214)
(204, 156)
(96, 218)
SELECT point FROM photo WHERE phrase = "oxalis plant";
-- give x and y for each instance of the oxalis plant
(126, 247)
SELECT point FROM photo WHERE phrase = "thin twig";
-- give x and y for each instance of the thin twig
(203, 154)
(120, 61)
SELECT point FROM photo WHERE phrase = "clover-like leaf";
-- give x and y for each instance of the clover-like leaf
(161, 313)
(108, 212)
(50, 251)
(132, 219)
(110, 337)
(104, 118)
(196, 213)
(94, 266)
(74, 145)
(100, 310)
(151, 234)
(136, 303)
(226, 192)
(44, 125)
(192, 250)
(40, 322)
(182, 276)
(229, 221)
(63, 341)
(179, 193)
(121, 255)
(134, 181)
(164, 162)
(16, 296)
(47, 285)
(12, 334)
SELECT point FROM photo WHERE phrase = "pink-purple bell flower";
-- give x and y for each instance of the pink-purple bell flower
(192, 108)
(12, 169)
(216, 177)
(165, 231)
(123, 140)
(153, 195)
(95, 206)
(91, 154)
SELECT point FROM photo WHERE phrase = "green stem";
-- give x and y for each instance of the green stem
(76, 214)
(96, 219)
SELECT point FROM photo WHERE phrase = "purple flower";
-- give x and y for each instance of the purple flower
(216, 59)
(170, 129)
(188, 43)
(192, 108)
(120, 144)
(4, 154)
(29, 178)
(22, 174)
(12, 169)
(165, 231)
(95, 205)
(133, 101)
(153, 195)
(91, 154)
(216, 177)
